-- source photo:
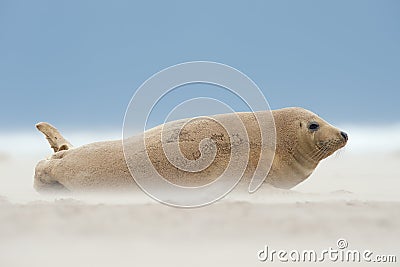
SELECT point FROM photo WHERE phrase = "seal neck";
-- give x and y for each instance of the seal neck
(306, 157)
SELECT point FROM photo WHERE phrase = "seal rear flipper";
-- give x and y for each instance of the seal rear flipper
(53, 136)
(43, 180)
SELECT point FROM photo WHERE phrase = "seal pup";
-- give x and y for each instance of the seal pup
(303, 139)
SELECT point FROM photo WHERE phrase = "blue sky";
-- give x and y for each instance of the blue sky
(77, 63)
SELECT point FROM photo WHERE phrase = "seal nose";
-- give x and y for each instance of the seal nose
(344, 135)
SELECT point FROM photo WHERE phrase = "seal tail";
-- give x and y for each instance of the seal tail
(53, 136)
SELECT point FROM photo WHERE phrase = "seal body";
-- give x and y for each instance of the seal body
(302, 141)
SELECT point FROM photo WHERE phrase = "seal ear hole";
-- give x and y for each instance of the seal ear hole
(301, 124)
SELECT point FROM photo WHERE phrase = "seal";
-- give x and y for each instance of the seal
(303, 139)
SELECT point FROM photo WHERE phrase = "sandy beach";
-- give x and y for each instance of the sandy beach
(69, 233)
(353, 196)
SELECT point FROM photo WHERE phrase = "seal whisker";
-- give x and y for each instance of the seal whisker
(311, 155)
(322, 152)
(322, 149)
(314, 155)
(320, 155)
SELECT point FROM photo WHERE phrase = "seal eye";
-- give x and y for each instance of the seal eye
(313, 126)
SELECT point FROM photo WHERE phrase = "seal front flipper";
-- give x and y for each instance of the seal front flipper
(53, 136)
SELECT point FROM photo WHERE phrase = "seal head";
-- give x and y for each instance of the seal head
(303, 140)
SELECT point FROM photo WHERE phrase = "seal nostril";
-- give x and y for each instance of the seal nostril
(344, 135)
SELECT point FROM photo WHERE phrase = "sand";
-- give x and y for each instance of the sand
(353, 196)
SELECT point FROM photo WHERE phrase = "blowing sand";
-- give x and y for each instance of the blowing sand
(352, 196)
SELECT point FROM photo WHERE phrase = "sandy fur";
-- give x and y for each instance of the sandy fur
(101, 166)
